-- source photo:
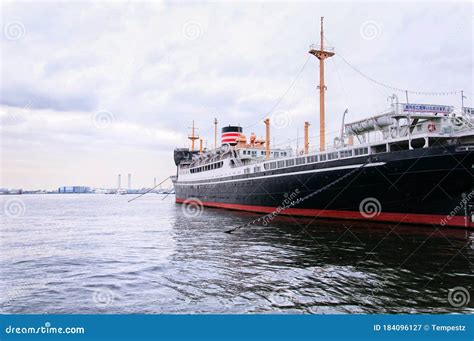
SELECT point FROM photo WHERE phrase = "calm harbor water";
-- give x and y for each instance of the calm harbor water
(101, 254)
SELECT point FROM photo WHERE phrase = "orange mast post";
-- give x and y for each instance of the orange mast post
(306, 137)
(267, 139)
(321, 54)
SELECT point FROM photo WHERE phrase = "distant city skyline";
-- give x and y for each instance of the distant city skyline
(91, 90)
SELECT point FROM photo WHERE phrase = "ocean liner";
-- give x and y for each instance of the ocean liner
(412, 164)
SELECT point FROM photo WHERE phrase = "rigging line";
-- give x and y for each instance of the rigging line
(425, 93)
(284, 142)
(204, 131)
(286, 93)
(342, 84)
(166, 196)
(151, 189)
(384, 94)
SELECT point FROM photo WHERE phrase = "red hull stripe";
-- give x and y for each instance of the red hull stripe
(426, 219)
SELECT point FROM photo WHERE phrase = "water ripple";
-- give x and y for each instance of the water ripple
(100, 254)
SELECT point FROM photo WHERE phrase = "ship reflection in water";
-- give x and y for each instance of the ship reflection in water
(100, 254)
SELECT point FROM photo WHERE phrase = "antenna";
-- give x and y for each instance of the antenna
(321, 54)
(306, 137)
(297, 140)
(215, 133)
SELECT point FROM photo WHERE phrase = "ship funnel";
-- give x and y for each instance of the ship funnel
(230, 135)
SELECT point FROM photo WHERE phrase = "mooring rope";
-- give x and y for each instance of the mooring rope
(299, 200)
(148, 191)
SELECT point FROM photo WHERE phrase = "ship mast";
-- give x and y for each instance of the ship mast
(321, 54)
(193, 137)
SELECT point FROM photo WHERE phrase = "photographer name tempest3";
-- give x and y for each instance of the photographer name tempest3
(46, 329)
(418, 328)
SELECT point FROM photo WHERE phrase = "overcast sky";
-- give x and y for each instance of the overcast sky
(90, 90)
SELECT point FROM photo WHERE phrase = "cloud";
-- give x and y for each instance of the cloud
(158, 66)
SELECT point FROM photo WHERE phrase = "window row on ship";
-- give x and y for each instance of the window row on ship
(210, 166)
(312, 159)
(254, 153)
(288, 162)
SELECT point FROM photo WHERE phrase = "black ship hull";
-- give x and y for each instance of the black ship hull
(431, 186)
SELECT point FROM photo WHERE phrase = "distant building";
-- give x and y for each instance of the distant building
(74, 189)
(10, 191)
